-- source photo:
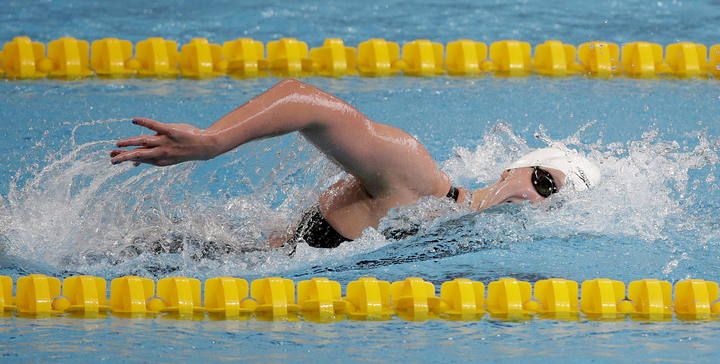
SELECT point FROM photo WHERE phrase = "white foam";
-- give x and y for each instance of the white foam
(78, 213)
(644, 182)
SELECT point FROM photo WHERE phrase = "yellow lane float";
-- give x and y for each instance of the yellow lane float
(285, 56)
(227, 296)
(714, 64)
(245, 57)
(510, 57)
(333, 59)
(201, 59)
(369, 299)
(6, 298)
(378, 57)
(651, 297)
(179, 295)
(600, 59)
(109, 57)
(22, 58)
(85, 294)
(69, 58)
(462, 297)
(275, 297)
(320, 299)
(36, 294)
(557, 297)
(414, 298)
(554, 58)
(604, 298)
(643, 59)
(509, 298)
(422, 58)
(465, 57)
(696, 299)
(156, 57)
(130, 294)
(686, 59)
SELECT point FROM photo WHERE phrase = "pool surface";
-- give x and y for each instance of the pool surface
(64, 210)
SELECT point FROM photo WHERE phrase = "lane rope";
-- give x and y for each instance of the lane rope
(70, 58)
(321, 299)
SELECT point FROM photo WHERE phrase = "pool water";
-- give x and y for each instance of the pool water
(65, 210)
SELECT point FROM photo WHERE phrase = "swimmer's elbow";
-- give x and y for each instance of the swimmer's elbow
(314, 106)
(291, 85)
(315, 110)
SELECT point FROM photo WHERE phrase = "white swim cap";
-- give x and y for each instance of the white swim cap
(580, 172)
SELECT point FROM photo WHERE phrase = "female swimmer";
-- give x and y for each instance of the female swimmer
(386, 167)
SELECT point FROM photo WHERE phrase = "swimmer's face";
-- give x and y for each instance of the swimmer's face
(515, 185)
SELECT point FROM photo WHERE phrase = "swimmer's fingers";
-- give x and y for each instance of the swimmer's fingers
(117, 152)
(157, 126)
(142, 155)
(142, 141)
(155, 162)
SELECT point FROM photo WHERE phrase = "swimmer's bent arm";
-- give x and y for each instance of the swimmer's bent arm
(382, 157)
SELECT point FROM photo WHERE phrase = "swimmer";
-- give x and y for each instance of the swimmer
(386, 167)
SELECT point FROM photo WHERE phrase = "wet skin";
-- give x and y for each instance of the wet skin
(386, 167)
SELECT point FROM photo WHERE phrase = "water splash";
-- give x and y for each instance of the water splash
(644, 189)
(77, 214)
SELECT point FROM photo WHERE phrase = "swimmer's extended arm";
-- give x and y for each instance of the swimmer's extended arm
(381, 156)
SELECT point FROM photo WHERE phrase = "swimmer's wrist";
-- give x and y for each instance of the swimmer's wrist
(220, 141)
(212, 144)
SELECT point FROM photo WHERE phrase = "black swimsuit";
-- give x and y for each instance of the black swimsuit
(317, 232)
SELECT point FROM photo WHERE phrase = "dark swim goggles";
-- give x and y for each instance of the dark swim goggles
(543, 182)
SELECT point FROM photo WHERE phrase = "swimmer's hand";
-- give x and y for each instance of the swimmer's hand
(172, 144)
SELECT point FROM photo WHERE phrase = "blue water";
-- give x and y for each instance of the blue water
(65, 210)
